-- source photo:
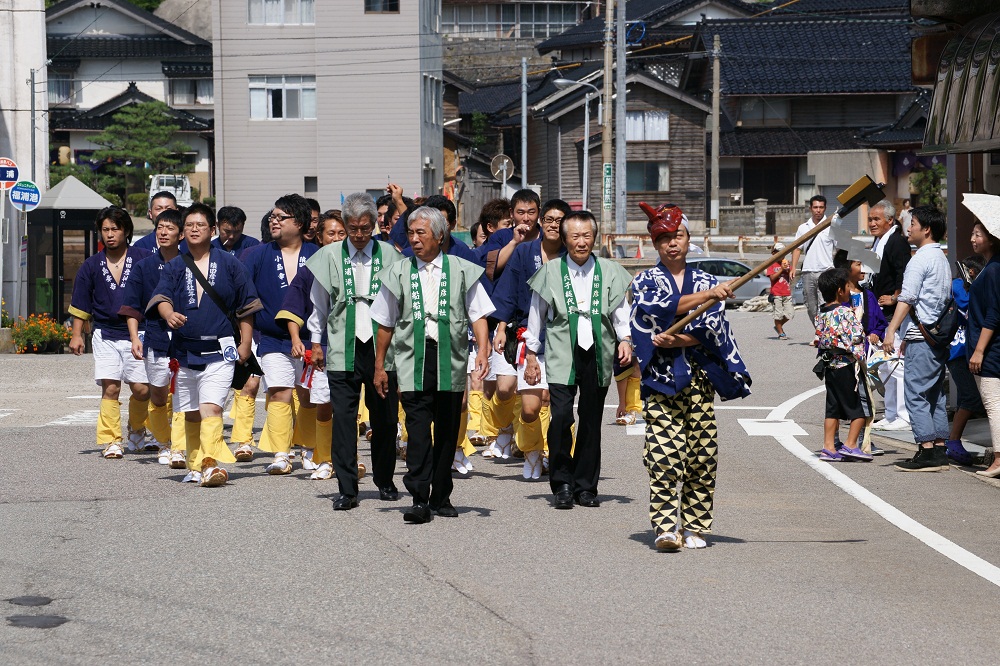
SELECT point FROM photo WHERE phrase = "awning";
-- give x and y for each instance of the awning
(965, 112)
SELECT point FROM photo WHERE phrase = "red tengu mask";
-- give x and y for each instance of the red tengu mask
(663, 220)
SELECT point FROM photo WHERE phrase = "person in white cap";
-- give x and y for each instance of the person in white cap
(781, 292)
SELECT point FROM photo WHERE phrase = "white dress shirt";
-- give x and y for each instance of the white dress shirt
(361, 261)
(386, 308)
(582, 278)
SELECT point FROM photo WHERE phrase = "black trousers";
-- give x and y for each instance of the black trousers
(345, 394)
(429, 479)
(583, 469)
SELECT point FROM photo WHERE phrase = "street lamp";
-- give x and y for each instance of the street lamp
(564, 84)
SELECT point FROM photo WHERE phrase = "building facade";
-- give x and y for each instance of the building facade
(326, 98)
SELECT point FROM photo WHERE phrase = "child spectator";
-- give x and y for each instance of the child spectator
(781, 292)
(969, 400)
(841, 346)
(866, 309)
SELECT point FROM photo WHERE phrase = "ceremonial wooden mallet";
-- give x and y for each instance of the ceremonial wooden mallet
(864, 190)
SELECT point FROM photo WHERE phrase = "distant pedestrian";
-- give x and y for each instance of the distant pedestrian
(924, 297)
(781, 292)
(818, 254)
(969, 401)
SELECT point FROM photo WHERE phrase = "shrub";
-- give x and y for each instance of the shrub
(209, 201)
(138, 203)
(35, 332)
(5, 320)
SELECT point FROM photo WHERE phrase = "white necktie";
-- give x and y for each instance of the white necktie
(362, 316)
(584, 327)
(429, 284)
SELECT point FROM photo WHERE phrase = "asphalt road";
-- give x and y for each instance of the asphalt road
(149, 570)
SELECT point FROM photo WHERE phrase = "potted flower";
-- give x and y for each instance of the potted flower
(38, 334)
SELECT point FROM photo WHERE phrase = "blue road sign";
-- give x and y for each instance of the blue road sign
(25, 196)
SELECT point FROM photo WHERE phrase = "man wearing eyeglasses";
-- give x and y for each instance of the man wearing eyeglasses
(272, 268)
(346, 281)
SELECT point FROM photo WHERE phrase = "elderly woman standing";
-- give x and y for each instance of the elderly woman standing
(680, 375)
(984, 315)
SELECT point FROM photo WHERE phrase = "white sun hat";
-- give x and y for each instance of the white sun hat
(986, 208)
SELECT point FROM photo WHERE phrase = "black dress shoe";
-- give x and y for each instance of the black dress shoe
(587, 498)
(446, 510)
(418, 514)
(345, 503)
(564, 497)
(388, 494)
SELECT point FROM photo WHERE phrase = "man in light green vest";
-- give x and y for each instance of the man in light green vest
(580, 302)
(346, 282)
(432, 299)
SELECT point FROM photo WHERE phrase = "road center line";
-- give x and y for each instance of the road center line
(949, 549)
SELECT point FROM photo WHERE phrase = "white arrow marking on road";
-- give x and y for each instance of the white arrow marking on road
(88, 416)
(775, 426)
(7, 412)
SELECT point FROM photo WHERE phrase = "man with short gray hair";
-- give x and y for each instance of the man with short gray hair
(432, 299)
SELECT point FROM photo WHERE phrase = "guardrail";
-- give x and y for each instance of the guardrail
(639, 246)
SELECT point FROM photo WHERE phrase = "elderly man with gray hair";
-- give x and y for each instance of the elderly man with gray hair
(432, 299)
(347, 280)
(892, 246)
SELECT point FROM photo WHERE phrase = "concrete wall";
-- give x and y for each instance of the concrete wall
(369, 111)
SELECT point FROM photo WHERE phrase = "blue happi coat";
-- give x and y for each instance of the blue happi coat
(668, 371)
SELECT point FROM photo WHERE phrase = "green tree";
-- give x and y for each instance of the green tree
(139, 143)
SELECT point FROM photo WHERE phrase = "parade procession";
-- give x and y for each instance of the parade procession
(614, 332)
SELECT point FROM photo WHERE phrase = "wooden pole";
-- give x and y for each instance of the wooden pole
(678, 326)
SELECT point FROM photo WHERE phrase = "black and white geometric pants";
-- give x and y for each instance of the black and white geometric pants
(682, 446)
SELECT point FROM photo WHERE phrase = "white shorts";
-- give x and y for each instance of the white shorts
(157, 368)
(317, 382)
(523, 385)
(500, 367)
(194, 387)
(113, 360)
(281, 370)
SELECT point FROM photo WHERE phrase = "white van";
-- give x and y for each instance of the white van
(176, 184)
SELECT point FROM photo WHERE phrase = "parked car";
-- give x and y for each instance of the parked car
(729, 269)
(176, 184)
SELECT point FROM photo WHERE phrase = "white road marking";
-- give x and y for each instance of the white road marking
(84, 416)
(759, 427)
(744, 407)
(949, 549)
(7, 412)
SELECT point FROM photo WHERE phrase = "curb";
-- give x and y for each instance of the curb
(968, 471)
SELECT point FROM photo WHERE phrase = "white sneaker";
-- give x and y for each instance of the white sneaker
(192, 477)
(457, 464)
(281, 465)
(177, 460)
(532, 465)
(307, 460)
(898, 424)
(136, 441)
(323, 472)
(163, 455)
(504, 441)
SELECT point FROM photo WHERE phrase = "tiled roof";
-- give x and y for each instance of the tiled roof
(784, 142)
(792, 57)
(187, 69)
(489, 98)
(649, 11)
(842, 7)
(98, 117)
(906, 131)
(133, 46)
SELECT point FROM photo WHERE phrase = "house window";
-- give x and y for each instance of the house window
(281, 12)
(62, 88)
(381, 6)
(647, 177)
(647, 126)
(191, 92)
(522, 19)
(282, 97)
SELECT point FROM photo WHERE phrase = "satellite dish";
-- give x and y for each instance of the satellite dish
(502, 167)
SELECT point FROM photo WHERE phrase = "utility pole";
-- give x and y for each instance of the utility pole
(607, 193)
(33, 125)
(713, 222)
(524, 124)
(621, 70)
